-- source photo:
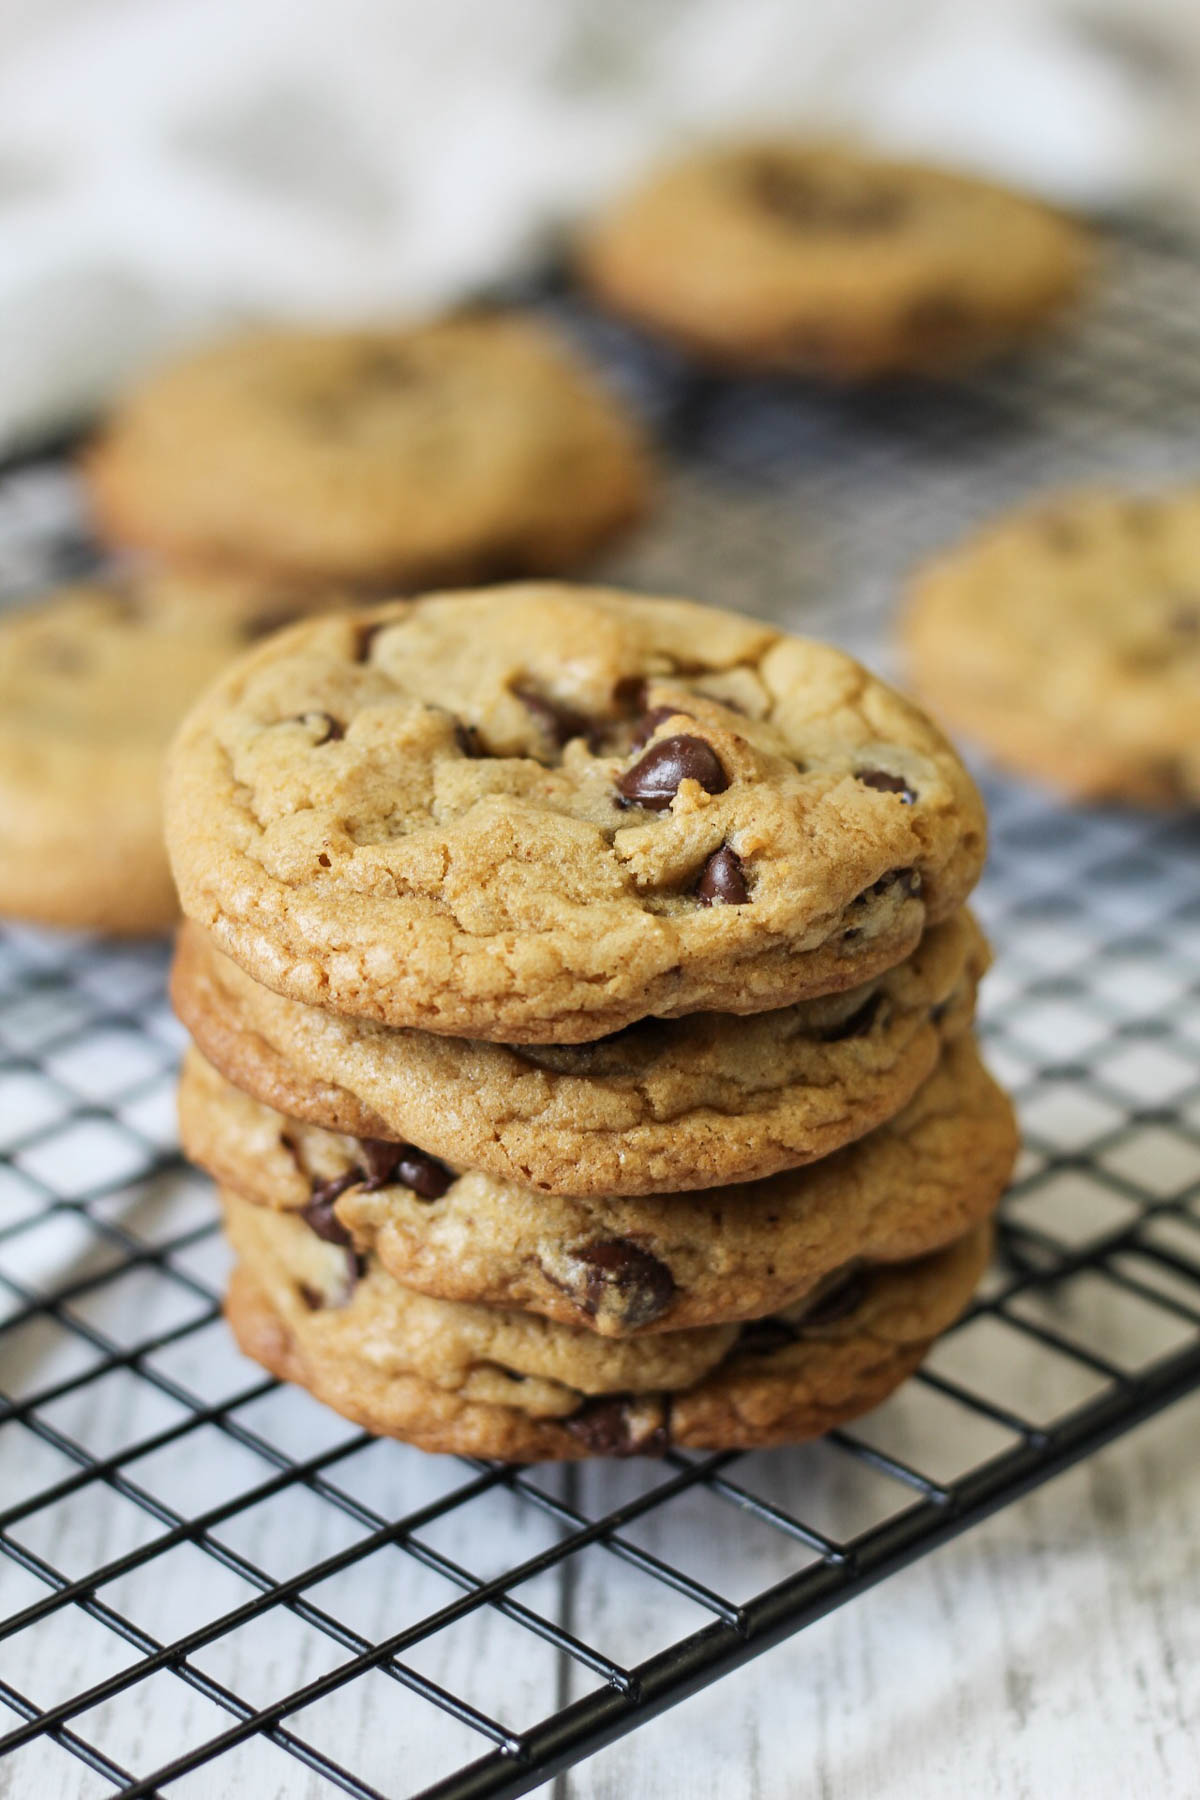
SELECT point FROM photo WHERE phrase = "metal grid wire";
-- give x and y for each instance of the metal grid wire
(209, 1585)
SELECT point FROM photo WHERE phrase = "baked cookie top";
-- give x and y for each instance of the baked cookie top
(1066, 638)
(623, 1267)
(662, 1105)
(467, 448)
(482, 1382)
(824, 259)
(539, 813)
(94, 678)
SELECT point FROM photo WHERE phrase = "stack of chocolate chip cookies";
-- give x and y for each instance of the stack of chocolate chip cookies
(581, 989)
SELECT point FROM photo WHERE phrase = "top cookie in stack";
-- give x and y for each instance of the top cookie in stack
(515, 914)
(538, 814)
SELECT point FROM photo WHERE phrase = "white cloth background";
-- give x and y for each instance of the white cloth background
(168, 165)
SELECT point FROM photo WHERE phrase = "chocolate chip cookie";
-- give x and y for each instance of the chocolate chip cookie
(537, 814)
(664, 1104)
(466, 449)
(481, 1382)
(93, 680)
(622, 1267)
(1066, 638)
(830, 261)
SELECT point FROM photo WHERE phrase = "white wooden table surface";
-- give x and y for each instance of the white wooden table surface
(1054, 1650)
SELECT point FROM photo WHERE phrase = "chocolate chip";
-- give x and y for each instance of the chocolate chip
(623, 1425)
(649, 723)
(317, 1301)
(1185, 621)
(794, 194)
(844, 1296)
(857, 1025)
(884, 782)
(907, 880)
(324, 722)
(654, 781)
(468, 739)
(722, 880)
(623, 1280)
(560, 723)
(629, 695)
(319, 1215)
(364, 638)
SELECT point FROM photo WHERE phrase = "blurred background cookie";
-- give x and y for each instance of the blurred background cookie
(830, 261)
(467, 449)
(1066, 639)
(93, 680)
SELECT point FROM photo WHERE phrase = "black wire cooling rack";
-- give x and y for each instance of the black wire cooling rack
(211, 1586)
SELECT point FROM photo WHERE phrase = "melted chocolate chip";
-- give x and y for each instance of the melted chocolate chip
(385, 1162)
(314, 1300)
(649, 723)
(654, 781)
(378, 1158)
(559, 723)
(884, 782)
(722, 879)
(427, 1177)
(319, 1215)
(858, 1024)
(622, 1425)
(623, 1280)
(1185, 621)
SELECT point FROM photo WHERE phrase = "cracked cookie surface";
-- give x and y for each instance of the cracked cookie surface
(446, 1376)
(1066, 639)
(825, 260)
(623, 1267)
(94, 678)
(665, 1104)
(507, 815)
(465, 449)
